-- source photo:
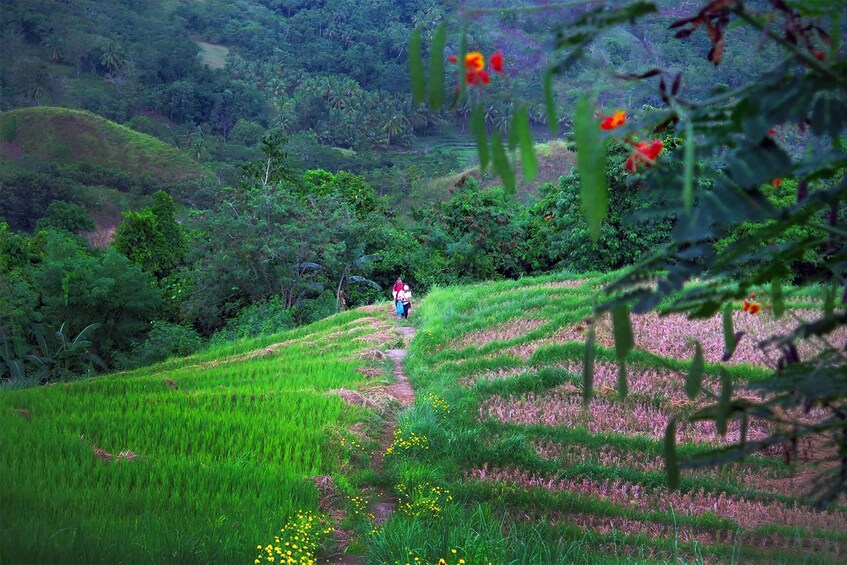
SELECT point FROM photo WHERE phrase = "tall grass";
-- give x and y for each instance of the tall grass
(199, 458)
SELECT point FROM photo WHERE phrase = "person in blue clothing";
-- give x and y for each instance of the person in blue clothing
(405, 297)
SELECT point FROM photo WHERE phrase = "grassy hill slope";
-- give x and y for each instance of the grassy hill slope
(193, 460)
(63, 136)
(509, 467)
(554, 160)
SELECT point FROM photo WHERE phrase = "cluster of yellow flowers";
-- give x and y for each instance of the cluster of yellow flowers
(344, 442)
(423, 500)
(405, 441)
(360, 508)
(438, 403)
(452, 559)
(297, 542)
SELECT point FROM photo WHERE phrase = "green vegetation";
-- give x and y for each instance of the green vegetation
(535, 477)
(62, 136)
(198, 459)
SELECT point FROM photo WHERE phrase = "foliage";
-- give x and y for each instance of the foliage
(63, 358)
(731, 132)
(152, 238)
(264, 317)
(163, 341)
(83, 289)
(67, 217)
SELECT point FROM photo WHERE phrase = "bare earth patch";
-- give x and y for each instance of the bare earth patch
(509, 330)
(674, 335)
(746, 513)
(563, 406)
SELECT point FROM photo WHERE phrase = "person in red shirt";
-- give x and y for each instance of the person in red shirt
(398, 286)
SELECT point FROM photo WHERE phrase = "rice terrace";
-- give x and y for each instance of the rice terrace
(480, 282)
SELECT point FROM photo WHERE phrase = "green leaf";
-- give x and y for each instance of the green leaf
(478, 127)
(588, 368)
(728, 332)
(549, 103)
(529, 164)
(671, 465)
(724, 405)
(501, 163)
(623, 331)
(436, 68)
(778, 298)
(688, 181)
(695, 373)
(623, 384)
(591, 164)
(416, 72)
(829, 302)
(463, 49)
(513, 129)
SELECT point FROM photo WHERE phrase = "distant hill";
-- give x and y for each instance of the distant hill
(65, 136)
(554, 160)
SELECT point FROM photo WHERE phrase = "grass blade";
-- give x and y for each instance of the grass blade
(623, 331)
(549, 103)
(671, 465)
(623, 384)
(529, 163)
(688, 181)
(591, 164)
(588, 368)
(416, 72)
(722, 415)
(501, 163)
(778, 298)
(436, 68)
(478, 127)
(694, 381)
(728, 333)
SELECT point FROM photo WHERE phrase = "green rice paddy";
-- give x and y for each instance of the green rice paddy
(193, 460)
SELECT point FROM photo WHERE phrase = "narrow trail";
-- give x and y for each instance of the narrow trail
(385, 502)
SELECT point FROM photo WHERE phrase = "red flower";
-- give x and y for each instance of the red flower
(452, 58)
(777, 182)
(497, 61)
(772, 131)
(745, 305)
(755, 308)
(614, 121)
(819, 55)
(644, 153)
(477, 78)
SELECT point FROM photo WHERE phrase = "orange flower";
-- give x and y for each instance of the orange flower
(614, 121)
(497, 61)
(751, 307)
(474, 61)
(452, 58)
(644, 153)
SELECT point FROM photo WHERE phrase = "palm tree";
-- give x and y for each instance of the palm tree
(111, 58)
(54, 46)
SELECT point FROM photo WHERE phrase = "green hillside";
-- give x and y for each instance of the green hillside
(194, 460)
(65, 136)
(494, 460)
(531, 476)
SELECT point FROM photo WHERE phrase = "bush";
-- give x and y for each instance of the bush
(260, 318)
(164, 340)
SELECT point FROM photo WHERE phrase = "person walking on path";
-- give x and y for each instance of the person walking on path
(405, 296)
(398, 286)
(395, 291)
